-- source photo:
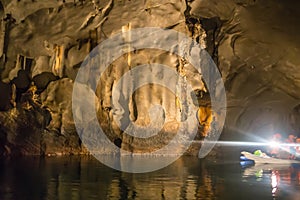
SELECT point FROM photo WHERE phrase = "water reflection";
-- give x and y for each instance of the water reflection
(86, 178)
(274, 182)
(187, 178)
(284, 180)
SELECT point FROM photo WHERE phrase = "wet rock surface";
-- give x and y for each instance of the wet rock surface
(254, 43)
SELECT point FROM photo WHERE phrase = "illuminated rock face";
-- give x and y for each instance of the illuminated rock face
(45, 42)
(258, 51)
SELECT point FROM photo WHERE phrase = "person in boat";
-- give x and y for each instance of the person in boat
(297, 148)
(274, 150)
(292, 140)
(259, 153)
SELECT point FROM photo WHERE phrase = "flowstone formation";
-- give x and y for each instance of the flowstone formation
(43, 44)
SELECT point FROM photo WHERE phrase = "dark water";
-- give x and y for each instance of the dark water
(187, 178)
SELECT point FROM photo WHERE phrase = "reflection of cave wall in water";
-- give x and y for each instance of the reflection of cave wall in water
(43, 43)
(187, 178)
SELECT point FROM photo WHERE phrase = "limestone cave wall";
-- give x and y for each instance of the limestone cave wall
(43, 43)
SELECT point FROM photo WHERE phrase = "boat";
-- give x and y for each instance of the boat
(267, 159)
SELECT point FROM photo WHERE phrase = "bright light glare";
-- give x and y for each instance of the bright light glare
(238, 143)
(242, 143)
(274, 144)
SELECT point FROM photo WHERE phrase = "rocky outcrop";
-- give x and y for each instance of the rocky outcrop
(60, 136)
(21, 129)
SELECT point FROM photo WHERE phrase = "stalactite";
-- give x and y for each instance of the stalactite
(127, 39)
(59, 58)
